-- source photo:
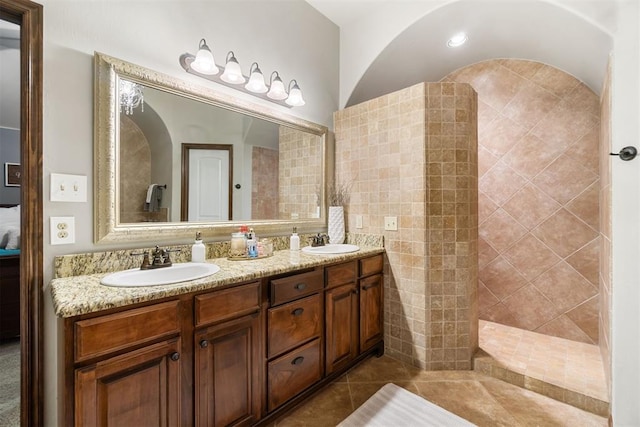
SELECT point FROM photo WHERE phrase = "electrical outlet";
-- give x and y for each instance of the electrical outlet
(63, 230)
(391, 223)
(358, 221)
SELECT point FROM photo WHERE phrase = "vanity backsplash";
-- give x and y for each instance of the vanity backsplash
(117, 260)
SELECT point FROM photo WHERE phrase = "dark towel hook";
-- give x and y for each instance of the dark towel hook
(627, 153)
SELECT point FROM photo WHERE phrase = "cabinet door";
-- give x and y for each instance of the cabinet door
(370, 311)
(341, 326)
(139, 388)
(227, 373)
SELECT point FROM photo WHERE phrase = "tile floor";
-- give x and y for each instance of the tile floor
(568, 371)
(481, 399)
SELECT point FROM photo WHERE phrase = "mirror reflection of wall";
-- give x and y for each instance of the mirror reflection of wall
(277, 170)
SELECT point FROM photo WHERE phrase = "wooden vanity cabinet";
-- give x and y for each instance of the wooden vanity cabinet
(237, 356)
(294, 336)
(128, 367)
(227, 357)
(354, 310)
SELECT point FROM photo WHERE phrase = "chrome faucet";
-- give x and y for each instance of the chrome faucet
(159, 258)
(319, 240)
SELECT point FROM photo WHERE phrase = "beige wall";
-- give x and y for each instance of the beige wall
(605, 228)
(412, 154)
(538, 200)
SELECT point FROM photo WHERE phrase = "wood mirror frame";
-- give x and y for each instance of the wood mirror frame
(29, 16)
(107, 227)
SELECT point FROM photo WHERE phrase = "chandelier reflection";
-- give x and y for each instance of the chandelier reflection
(131, 97)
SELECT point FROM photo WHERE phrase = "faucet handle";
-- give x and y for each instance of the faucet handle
(145, 260)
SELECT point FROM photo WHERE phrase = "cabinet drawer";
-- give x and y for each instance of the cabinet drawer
(371, 265)
(292, 287)
(341, 274)
(105, 334)
(293, 372)
(293, 323)
(227, 304)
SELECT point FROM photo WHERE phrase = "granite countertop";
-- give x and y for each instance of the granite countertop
(77, 295)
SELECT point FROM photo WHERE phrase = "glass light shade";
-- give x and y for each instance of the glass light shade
(232, 72)
(204, 62)
(295, 95)
(256, 80)
(277, 90)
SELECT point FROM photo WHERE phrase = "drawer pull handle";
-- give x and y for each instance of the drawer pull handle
(300, 286)
(298, 360)
(297, 311)
(175, 356)
(364, 288)
(204, 344)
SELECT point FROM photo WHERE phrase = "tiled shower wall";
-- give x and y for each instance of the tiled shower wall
(264, 183)
(413, 154)
(300, 174)
(539, 197)
(605, 227)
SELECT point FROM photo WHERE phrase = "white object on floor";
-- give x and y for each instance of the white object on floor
(395, 406)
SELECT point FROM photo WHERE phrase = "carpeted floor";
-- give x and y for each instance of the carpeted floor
(10, 384)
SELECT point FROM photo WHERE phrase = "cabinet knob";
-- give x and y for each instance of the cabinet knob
(204, 344)
(356, 291)
(298, 360)
(300, 286)
(297, 311)
(175, 356)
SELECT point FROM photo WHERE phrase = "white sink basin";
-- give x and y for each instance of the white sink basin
(331, 249)
(160, 276)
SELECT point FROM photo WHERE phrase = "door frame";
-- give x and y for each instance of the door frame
(29, 16)
(184, 195)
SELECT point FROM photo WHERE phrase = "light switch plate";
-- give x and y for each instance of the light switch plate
(63, 230)
(68, 188)
(358, 221)
(391, 223)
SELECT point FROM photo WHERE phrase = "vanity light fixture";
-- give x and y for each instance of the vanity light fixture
(203, 65)
(131, 96)
(457, 40)
(232, 72)
(204, 62)
(277, 90)
(295, 95)
(256, 80)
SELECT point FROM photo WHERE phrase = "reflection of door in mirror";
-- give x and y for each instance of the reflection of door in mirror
(207, 170)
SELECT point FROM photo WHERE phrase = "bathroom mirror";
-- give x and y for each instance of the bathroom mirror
(161, 159)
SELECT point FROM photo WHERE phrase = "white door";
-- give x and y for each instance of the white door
(208, 185)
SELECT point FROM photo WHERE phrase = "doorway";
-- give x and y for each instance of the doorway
(29, 17)
(207, 171)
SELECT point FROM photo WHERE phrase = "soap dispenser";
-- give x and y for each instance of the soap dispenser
(294, 240)
(198, 249)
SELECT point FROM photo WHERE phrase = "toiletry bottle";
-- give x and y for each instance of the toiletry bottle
(252, 244)
(197, 250)
(294, 240)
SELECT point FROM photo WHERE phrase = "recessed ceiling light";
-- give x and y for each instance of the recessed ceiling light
(457, 40)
